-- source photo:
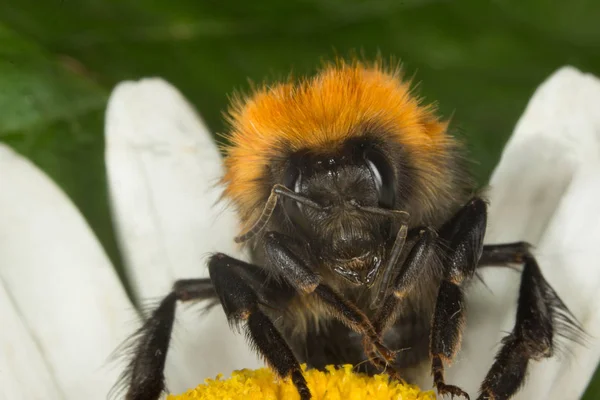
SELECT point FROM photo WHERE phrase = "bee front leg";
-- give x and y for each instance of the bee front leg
(463, 236)
(420, 255)
(281, 255)
(238, 285)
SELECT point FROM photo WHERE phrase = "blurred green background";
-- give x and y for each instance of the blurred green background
(59, 60)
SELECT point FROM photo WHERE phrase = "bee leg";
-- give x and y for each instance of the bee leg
(377, 362)
(463, 235)
(382, 319)
(540, 313)
(448, 321)
(282, 254)
(144, 376)
(420, 254)
(238, 285)
(504, 254)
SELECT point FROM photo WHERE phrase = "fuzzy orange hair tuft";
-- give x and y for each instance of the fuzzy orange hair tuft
(344, 100)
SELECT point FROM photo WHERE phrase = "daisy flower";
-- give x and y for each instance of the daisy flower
(64, 310)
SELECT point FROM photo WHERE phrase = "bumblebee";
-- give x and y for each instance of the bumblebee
(366, 228)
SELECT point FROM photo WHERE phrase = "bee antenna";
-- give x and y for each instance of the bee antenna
(398, 215)
(277, 191)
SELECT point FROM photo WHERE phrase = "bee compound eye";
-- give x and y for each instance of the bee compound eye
(383, 176)
(292, 178)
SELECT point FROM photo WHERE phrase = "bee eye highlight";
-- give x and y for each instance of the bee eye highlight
(383, 176)
(291, 178)
(298, 183)
(297, 187)
(376, 175)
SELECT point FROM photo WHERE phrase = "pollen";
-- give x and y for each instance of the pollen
(332, 384)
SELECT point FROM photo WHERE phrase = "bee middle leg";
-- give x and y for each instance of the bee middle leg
(463, 235)
(282, 254)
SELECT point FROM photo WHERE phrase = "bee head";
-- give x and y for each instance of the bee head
(353, 136)
(343, 182)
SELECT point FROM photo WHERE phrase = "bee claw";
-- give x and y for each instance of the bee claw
(451, 390)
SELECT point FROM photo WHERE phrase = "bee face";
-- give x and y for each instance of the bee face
(341, 182)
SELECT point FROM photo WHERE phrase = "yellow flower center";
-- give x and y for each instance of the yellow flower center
(334, 384)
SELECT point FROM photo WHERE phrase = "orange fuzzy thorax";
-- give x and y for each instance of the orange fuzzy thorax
(342, 101)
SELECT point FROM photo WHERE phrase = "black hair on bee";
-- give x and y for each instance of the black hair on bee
(366, 229)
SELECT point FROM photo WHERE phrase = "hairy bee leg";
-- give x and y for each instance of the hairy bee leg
(238, 285)
(381, 321)
(540, 312)
(448, 322)
(380, 364)
(531, 337)
(463, 235)
(504, 254)
(280, 254)
(421, 252)
(145, 373)
(386, 313)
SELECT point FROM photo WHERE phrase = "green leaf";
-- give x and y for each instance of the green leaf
(53, 114)
(481, 60)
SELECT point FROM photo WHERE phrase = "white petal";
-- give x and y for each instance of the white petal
(163, 168)
(557, 135)
(21, 362)
(59, 280)
(569, 254)
(558, 132)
